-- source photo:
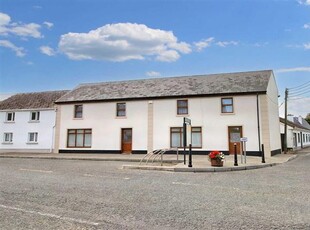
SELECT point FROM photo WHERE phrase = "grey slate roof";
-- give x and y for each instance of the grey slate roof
(36, 100)
(227, 83)
(296, 123)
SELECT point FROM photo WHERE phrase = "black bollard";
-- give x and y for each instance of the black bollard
(190, 156)
(236, 158)
(263, 154)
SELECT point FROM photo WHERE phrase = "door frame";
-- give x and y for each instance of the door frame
(238, 143)
(122, 150)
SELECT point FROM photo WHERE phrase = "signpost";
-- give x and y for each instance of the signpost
(186, 121)
(243, 155)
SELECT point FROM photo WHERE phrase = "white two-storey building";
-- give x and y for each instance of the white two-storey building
(142, 115)
(27, 122)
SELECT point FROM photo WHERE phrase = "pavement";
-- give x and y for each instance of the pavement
(171, 162)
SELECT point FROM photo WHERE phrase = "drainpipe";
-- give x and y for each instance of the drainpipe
(258, 123)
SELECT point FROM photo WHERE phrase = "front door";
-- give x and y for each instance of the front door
(126, 141)
(234, 135)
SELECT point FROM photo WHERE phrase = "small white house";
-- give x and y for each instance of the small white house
(298, 132)
(27, 122)
(142, 115)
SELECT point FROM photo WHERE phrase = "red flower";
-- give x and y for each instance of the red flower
(214, 154)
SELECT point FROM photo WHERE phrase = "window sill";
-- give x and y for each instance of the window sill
(121, 117)
(77, 118)
(182, 115)
(224, 114)
(7, 143)
(33, 121)
(9, 122)
(32, 143)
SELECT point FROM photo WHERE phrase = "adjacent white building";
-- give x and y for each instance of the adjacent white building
(298, 132)
(142, 115)
(27, 122)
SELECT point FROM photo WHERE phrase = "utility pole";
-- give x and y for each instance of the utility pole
(285, 122)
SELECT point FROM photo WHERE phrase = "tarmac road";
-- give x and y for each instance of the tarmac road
(73, 194)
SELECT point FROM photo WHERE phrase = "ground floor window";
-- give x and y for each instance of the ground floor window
(176, 137)
(8, 138)
(32, 137)
(79, 138)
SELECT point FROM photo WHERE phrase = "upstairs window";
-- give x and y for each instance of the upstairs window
(33, 137)
(10, 117)
(8, 138)
(227, 105)
(182, 107)
(121, 109)
(78, 111)
(35, 116)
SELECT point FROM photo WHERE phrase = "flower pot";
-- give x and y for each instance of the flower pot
(216, 163)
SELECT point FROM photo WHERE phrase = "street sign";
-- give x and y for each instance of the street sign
(243, 139)
(187, 121)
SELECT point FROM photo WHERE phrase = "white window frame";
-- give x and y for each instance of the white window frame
(12, 117)
(36, 116)
(33, 140)
(8, 140)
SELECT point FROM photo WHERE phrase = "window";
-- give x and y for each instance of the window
(121, 109)
(35, 116)
(176, 137)
(32, 137)
(78, 111)
(196, 137)
(10, 117)
(227, 105)
(8, 138)
(79, 138)
(298, 135)
(182, 107)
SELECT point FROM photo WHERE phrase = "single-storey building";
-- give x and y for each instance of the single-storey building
(138, 116)
(298, 132)
(27, 122)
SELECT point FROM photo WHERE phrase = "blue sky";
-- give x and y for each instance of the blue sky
(51, 45)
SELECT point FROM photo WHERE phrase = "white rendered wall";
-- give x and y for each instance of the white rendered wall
(273, 113)
(22, 126)
(106, 127)
(206, 113)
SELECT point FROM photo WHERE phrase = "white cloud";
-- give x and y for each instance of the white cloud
(47, 51)
(304, 2)
(307, 26)
(307, 46)
(122, 42)
(49, 25)
(226, 43)
(296, 69)
(203, 43)
(19, 51)
(19, 29)
(153, 74)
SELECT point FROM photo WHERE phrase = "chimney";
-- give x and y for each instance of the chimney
(290, 117)
(300, 119)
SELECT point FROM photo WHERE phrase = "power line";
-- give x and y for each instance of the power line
(300, 93)
(299, 86)
(300, 89)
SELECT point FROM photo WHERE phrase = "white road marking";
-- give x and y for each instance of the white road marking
(50, 215)
(36, 170)
(188, 184)
(111, 177)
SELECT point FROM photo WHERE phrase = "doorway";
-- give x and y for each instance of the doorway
(126, 146)
(234, 135)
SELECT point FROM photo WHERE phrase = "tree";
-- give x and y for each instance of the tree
(308, 118)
